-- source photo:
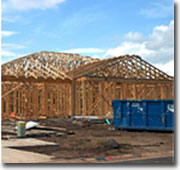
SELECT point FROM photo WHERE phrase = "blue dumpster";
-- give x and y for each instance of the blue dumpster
(144, 114)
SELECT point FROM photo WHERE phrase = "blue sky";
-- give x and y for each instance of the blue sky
(97, 28)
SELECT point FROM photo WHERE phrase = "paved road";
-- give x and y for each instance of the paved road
(166, 160)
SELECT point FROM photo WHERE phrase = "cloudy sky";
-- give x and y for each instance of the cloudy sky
(97, 28)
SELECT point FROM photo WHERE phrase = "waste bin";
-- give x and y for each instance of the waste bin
(21, 129)
(144, 114)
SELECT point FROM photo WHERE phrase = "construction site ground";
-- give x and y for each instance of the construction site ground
(82, 141)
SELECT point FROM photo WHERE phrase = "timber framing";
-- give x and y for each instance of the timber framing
(62, 84)
(121, 67)
(43, 66)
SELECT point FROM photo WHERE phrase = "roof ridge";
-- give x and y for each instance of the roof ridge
(148, 70)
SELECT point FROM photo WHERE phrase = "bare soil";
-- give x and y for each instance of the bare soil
(85, 139)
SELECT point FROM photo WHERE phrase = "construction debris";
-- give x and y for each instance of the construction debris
(21, 129)
(109, 157)
(100, 159)
(31, 124)
(108, 122)
(85, 117)
(112, 144)
(93, 141)
(41, 127)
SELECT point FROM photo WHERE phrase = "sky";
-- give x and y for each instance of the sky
(96, 28)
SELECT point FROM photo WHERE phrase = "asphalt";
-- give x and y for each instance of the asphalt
(166, 160)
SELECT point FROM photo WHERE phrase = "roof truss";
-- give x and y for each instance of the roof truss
(43, 66)
(128, 67)
(59, 67)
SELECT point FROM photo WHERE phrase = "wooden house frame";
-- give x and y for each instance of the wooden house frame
(61, 84)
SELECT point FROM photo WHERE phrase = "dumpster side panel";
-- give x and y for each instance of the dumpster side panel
(125, 112)
(169, 114)
(117, 120)
(155, 116)
(144, 114)
(138, 116)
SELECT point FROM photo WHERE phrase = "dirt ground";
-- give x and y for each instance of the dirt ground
(85, 139)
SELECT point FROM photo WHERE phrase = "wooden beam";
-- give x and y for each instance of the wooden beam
(45, 98)
(128, 80)
(84, 98)
(101, 85)
(32, 79)
(7, 105)
(13, 89)
(135, 91)
(73, 97)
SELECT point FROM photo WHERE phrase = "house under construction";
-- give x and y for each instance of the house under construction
(62, 84)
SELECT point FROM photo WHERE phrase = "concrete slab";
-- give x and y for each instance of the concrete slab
(17, 156)
(25, 142)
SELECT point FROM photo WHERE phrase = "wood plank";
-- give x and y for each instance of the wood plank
(73, 97)
(15, 88)
(101, 86)
(84, 98)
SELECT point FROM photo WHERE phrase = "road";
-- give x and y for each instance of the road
(166, 160)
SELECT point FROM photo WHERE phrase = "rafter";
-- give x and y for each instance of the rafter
(126, 67)
(46, 65)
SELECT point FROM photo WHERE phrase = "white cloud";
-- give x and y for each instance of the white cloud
(157, 48)
(168, 67)
(22, 5)
(7, 33)
(5, 53)
(134, 36)
(129, 48)
(84, 50)
(162, 36)
(158, 10)
(82, 17)
(12, 46)
(9, 55)
(10, 19)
